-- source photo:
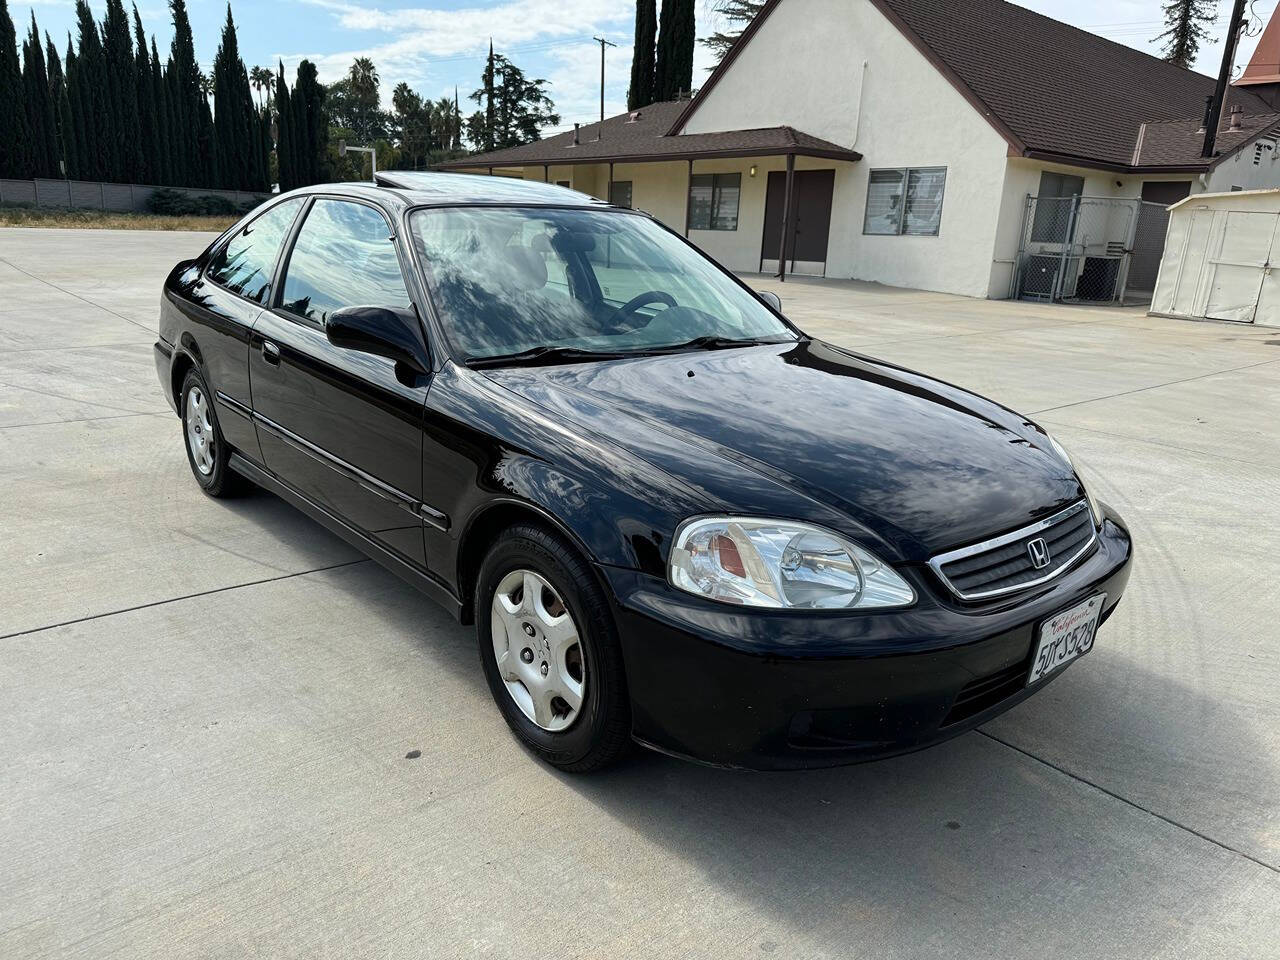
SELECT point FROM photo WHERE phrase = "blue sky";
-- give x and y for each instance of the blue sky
(435, 44)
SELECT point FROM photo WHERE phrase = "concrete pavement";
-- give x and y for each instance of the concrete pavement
(205, 708)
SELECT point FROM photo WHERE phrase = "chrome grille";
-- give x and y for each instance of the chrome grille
(1017, 560)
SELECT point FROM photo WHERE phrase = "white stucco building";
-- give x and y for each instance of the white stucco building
(916, 130)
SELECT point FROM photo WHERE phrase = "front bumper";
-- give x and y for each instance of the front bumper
(778, 690)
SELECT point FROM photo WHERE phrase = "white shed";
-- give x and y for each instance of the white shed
(1219, 256)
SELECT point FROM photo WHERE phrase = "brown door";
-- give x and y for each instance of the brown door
(810, 218)
(1148, 238)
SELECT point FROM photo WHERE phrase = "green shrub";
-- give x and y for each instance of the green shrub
(177, 203)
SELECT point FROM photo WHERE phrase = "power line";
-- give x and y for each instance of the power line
(524, 48)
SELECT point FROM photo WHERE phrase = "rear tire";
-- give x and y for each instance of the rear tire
(207, 451)
(550, 651)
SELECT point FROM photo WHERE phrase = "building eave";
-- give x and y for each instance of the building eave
(1195, 167)
(480, 163)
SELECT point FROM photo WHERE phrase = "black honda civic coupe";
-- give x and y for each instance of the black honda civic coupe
(672, 516)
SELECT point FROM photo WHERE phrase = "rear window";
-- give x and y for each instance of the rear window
(245, 263)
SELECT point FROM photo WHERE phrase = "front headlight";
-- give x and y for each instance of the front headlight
(781, 564)
(1094, 508)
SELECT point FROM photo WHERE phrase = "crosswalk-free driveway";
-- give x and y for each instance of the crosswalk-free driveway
(206, 707)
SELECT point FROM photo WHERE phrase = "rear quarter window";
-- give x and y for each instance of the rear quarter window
(244, 263)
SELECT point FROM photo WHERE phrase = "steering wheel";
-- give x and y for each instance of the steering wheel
(616, 323)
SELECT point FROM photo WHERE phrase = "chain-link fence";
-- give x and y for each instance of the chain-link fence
(1089, 250)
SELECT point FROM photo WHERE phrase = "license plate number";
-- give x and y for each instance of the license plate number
(1065, 636)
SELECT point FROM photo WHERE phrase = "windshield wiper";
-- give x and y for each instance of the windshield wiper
(553, 354)
(544, 354)
(717, 343)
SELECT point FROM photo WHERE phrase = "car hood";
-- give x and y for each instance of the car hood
(803, 429)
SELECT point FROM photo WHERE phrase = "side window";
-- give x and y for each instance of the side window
(343, 257)
(713, 201)
(905, 202)
(245, 262)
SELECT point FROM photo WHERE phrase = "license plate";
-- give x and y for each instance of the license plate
(1065, 636)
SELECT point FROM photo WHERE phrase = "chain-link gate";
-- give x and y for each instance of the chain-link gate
(1088, 250)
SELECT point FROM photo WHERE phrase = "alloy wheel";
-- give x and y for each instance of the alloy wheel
(200, 431)
(538, 650)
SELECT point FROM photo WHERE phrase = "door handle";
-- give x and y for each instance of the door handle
(270, 353)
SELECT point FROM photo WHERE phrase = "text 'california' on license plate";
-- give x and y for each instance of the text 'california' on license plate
(1065, 636)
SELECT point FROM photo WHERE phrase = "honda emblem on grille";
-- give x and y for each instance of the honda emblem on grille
(1038, 551)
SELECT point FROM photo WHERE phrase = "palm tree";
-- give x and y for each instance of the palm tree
(206, 85)
(364, 81)
(447, 122)
(262, 78)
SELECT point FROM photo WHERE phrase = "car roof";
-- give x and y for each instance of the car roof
(414, 187)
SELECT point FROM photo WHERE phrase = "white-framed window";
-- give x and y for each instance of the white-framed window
(713, 201)
(905, 201)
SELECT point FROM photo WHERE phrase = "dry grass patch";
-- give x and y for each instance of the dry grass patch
(108, 220)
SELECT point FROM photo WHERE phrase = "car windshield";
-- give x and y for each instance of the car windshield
(538, 282)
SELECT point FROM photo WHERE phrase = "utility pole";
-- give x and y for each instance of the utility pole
(603, 43)
(1224, 77)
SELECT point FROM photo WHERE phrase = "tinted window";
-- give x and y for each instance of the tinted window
(344, 257)
(713, 201)
(245, 262)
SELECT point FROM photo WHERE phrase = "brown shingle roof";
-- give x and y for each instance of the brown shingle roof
(1050, 88)
(1059, 88)
(646, 139)
(1178, 142)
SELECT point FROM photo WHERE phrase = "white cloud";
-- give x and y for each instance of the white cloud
(427, 46)
(574, 83)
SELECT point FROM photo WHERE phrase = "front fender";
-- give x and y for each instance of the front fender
(486, 450)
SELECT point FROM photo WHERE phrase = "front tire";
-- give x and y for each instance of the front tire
(550, 651)
(207, 451)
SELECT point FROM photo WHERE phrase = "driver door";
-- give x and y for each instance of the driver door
(341, 427)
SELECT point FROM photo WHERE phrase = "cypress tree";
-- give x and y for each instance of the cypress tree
(640, 94)
(490, 113)
(87, 89)
(185, 98)
(235, 132)
(57, 93)
(164, 131)
(206, 142)
(673, 72)
(145, 100)
(40, 113)
(311, 127)
(15, 129)
(122, 94)
(262, 149)
(72, 119)
(301, 149)
(286, 163)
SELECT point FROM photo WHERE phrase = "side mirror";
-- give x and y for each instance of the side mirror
(771, 298)
(382, 331)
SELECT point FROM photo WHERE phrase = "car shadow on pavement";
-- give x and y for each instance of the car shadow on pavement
(1021, 849)
(978, 846)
